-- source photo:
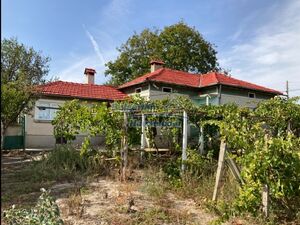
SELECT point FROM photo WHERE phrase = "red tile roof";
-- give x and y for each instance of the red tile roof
(169, 76)
(84, 91)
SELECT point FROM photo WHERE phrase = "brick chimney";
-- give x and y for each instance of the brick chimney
(90, 75)
(156, 64)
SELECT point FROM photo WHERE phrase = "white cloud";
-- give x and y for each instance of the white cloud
(272, 56)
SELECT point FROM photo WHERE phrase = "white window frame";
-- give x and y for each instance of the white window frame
(167, 88)
(138, 89)
(251, 93)
(51, 112)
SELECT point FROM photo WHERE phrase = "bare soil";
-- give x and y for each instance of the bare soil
(102, 200)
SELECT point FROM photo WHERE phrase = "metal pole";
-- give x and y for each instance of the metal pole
(124, 149)
(201, 140)
(143, 137)
(184, 140)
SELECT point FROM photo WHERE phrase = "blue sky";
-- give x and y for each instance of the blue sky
(259, 41)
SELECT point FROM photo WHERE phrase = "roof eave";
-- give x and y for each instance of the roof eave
(79, 97)
(255, 89)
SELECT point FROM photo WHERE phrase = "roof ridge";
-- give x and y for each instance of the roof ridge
(155, 73)
(70, 82)
(179, 71)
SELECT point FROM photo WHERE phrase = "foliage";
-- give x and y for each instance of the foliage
(65, 163)
(267, 150)
(77, 117)
(181, 47)
(21, 69)
(265, 143)
(45, 212)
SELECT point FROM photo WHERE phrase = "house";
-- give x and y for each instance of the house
(211, 88)
(36, 130)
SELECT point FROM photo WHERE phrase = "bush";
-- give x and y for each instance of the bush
(66, 163)
(275, 162)
(46, 211)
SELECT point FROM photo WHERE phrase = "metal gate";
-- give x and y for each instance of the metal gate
(16, 141)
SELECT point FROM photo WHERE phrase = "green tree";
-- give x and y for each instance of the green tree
(22, 68)
(181, 47)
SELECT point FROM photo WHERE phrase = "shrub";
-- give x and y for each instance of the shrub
(46, 211)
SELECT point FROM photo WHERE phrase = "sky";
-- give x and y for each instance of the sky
(257, 41)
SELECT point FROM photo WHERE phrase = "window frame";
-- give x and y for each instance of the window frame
(139, 88)
(48, 105)
(251, 93)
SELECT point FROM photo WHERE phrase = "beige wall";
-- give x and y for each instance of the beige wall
(13, 130)
(40, 134)
(144, 93)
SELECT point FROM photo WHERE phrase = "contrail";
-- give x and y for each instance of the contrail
(95, 45)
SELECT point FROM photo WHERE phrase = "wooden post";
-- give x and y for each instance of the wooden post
(184, 140)
(124, 149)
(235, 170)
(220, 169)
(265, 200)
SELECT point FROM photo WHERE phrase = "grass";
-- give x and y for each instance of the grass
(159, 178)
(61, 165)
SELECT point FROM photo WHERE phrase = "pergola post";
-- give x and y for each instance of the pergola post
(220, 169)
(124, 148)
(184, 140)
(143, 137)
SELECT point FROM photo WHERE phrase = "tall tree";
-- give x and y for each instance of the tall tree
(22, 68)
(181, 47)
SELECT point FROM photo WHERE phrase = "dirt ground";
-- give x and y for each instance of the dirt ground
(104, 200)
(112, 202)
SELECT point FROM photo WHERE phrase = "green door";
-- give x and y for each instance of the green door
(16, 141)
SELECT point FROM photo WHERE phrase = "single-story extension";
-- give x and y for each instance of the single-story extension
(35, 129)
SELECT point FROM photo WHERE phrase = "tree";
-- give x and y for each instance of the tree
(181, 47)
(22, 68)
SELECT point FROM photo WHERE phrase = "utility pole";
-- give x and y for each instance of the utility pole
(287, 89)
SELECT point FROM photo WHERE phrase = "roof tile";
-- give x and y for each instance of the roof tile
(86, 91)
(166, 75)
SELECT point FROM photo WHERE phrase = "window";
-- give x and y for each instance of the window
(45, 111)
(167, 89)
(138, 90)
(251, 95)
